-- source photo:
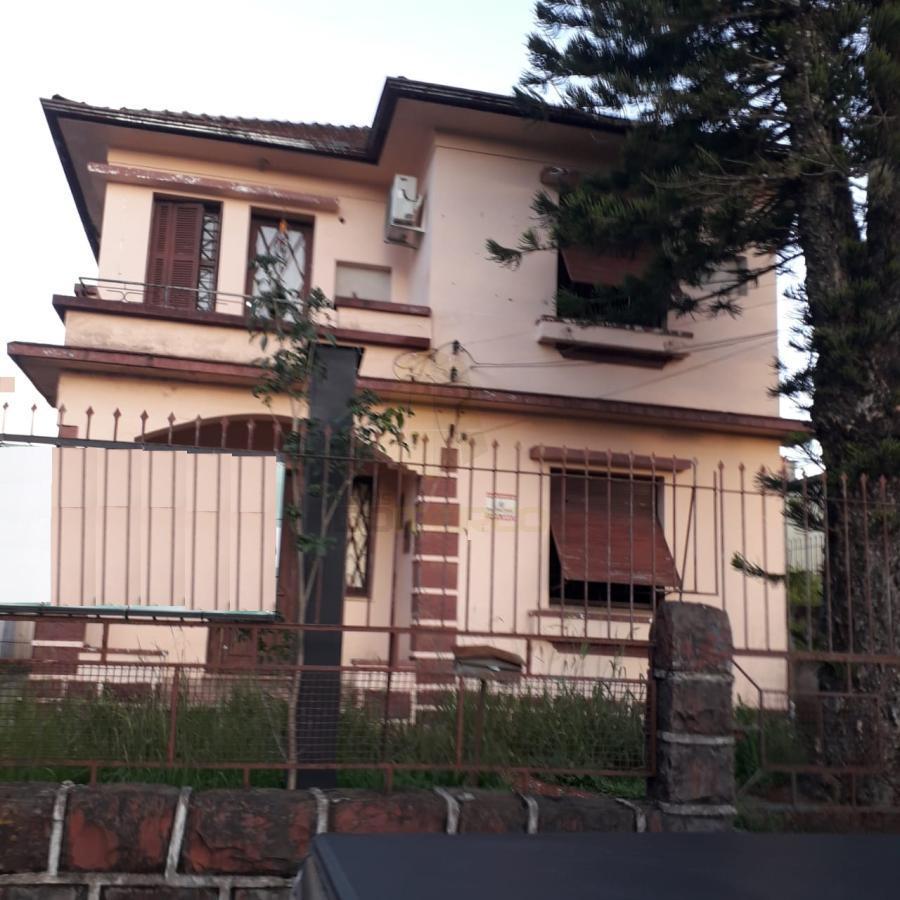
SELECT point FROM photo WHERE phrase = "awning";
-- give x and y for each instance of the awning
(606, 530)
(586, 266)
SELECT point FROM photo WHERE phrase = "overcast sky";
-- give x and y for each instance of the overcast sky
(287, 59)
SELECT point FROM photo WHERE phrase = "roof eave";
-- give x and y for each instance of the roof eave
(395, 89)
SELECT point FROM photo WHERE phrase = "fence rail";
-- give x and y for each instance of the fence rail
(559, 556)
(99, 711)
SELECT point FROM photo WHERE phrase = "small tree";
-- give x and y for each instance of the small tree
(291, 326)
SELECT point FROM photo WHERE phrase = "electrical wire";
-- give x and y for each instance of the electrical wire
(610, 394)
(549, 364)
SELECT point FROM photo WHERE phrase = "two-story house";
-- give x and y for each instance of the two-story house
(561, 478)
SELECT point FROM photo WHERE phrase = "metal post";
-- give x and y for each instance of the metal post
(324, 507)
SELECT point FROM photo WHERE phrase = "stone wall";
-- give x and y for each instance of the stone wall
(112, 842)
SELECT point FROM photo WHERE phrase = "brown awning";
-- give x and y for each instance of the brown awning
(586, 266)
(606, 530)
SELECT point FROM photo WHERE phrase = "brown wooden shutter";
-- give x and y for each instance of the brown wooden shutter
(606, 531)
(158, 255)
(173, 265)
(585, 266)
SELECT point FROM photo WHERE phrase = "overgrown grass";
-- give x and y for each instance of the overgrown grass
(563, 726)
(767, 739)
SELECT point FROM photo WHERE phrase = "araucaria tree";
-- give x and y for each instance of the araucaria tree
(770, 126)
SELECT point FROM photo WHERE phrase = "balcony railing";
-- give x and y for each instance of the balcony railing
(198, 301)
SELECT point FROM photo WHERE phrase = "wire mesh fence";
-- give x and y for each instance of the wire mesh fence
(143, 715)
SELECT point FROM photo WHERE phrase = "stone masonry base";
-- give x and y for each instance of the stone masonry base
(112, 842)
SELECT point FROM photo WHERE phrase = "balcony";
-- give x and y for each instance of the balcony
(391, 325)
(604, 342)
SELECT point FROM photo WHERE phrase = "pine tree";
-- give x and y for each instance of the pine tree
(772, 125)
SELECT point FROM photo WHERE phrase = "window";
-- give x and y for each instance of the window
(730, 276)
(359, 535)
(587, 284)
(606, 540)
(362, 282)
(287, 245)
(183, 259)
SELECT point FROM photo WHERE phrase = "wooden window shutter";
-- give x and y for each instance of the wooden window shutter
(586, 266)
(173, 265)
(606, 531)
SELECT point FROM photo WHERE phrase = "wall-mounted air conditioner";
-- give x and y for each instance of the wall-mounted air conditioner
(404, 212)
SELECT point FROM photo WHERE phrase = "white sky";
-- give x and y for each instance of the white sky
(300, 60)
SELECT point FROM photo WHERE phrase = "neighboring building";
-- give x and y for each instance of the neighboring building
(487, 537)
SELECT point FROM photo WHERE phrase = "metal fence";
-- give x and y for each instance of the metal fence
(555, 555)
(98, 711)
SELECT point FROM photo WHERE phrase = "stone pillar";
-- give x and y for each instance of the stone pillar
(690, 664)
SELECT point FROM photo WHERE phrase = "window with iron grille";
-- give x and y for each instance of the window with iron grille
(183, 257)
(607, 544)
(359, 535)
(287, 244)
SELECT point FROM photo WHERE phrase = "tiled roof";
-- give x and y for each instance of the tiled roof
(311, 135)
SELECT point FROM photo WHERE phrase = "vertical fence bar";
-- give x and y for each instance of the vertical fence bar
(867, 563)
(467, 602)
(492, 570)
(372, 538)
(562, 547)
(585, 549)
(83, 564)
(889, 605)
(695, 505)
(744, 586)
(609, 489)
(631, 559)
(654, 519)
(675, 512)
(807, 561)
(60, 453)
(238, 509)
(262, 525)
(218, 525)
(150, 455)
(516, 516)
(826, 586)
(540, 539)
(849, 594)
(194, 522)
(173, 715)
(460, 719)
(173, 502)
(105, 525)
(718, 551)
(765, 555)
(788, 613)
(130, 460)
(721, 469)
(395, 574)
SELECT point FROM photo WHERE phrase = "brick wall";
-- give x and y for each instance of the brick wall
(113, 842)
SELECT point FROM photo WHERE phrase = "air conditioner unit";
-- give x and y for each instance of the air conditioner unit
(404, 212)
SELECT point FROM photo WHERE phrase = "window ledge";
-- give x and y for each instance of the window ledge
(594, 614)
(619, 344)
(403, 309)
